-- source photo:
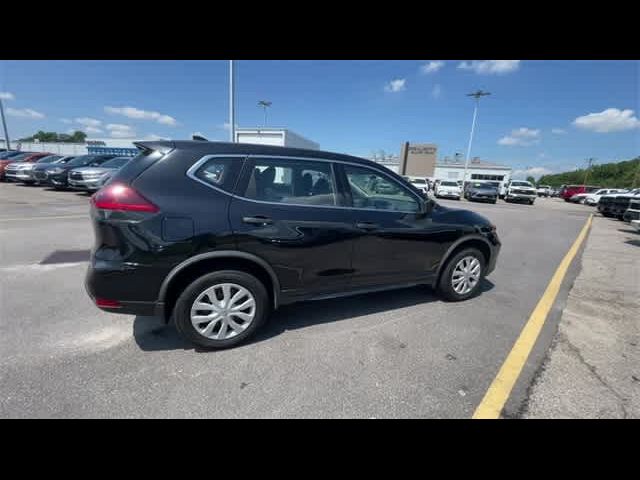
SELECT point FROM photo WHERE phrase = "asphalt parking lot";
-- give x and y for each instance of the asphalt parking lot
(398, 354)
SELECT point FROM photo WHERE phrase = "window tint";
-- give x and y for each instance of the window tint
(299, 182)
(370, 189)
(220, 172)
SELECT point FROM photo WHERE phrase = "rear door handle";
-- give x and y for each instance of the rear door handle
(258, 220)
(367, 225)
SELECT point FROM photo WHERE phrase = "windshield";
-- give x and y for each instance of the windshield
(520, 184)
(116, 162)
(63, 160)
(19, 157)
(481, 185)
(449, 184)
(49, 159)
(418, 181)
(86, 160)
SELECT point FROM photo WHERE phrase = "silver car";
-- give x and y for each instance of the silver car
(22, 171)
(93, 178)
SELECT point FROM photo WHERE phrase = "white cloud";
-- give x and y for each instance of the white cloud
(136, 113)
(118, 130)
(488, 67)
(396, 85)
(532, 172)
(432, 67)
(436, 91)
(558, 131)
(609, 120)
(88, 122)
(66, 120)
(522, 137)
(91, 130)
(24, 113)
(6, 96)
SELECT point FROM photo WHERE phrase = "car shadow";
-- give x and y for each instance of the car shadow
(152, 334)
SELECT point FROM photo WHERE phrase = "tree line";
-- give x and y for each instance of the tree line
(53, 137)
(621, 174)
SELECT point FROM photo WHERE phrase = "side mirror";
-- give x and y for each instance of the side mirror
(426, 207)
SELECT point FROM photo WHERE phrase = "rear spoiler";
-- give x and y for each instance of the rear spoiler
(163, 146)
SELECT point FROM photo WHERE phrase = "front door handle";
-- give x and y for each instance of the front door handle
(367, 225)
(258, 220)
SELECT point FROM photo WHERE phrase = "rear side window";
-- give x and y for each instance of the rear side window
(219, 172)
(300, 182)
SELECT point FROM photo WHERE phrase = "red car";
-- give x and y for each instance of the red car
(568, 191)
(23, 157)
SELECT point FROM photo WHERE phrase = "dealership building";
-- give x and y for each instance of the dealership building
(476, 170)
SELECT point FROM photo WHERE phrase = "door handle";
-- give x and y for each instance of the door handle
(367, 225)
(258, 220)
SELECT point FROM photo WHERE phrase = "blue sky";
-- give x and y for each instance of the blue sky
(355, 107)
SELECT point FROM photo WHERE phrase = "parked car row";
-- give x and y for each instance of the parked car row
(624, 206)
(82, 172)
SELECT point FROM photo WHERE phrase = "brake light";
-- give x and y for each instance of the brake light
(105, 303)
(122, 197)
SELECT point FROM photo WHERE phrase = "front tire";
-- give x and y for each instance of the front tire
(221, 309)
(462, 275)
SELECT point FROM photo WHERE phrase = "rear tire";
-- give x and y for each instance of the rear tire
(447, 283)
(239, 280)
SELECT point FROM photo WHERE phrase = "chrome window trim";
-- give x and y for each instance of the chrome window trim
(191, 173)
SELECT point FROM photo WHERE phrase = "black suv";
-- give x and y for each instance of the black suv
(216, 235)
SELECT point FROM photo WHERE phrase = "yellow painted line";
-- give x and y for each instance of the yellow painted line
(500, 389)
(52, 217)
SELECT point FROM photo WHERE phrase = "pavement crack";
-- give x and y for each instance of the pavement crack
(575, 351)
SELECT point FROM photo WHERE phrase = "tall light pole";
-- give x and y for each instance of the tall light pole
(232, 103)
(477, 96)
(586, 174)
(264, 104)
(4, 126)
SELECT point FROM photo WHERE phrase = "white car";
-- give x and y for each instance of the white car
(593, 198)
(448, 189)
(521, 191)
(544, 190)
(420, 183)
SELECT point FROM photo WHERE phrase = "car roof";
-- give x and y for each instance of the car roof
(250, 149)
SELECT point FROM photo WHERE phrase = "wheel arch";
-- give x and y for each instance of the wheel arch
(467, 241)
(187, 271)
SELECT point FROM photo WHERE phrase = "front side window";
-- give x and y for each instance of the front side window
(300, 182)
(372, 190)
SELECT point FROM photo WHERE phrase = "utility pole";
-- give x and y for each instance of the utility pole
(264, 104)
(232, 97)
(586, 174)
(4, 126)
(477, 95)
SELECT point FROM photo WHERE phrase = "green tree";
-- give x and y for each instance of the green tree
(531, 180)
(78, 137)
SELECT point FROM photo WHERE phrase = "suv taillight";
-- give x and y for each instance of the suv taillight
(122, 197)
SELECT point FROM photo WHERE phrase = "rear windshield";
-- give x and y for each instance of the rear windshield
(449, 184)
(520, 184)
(419, 181)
